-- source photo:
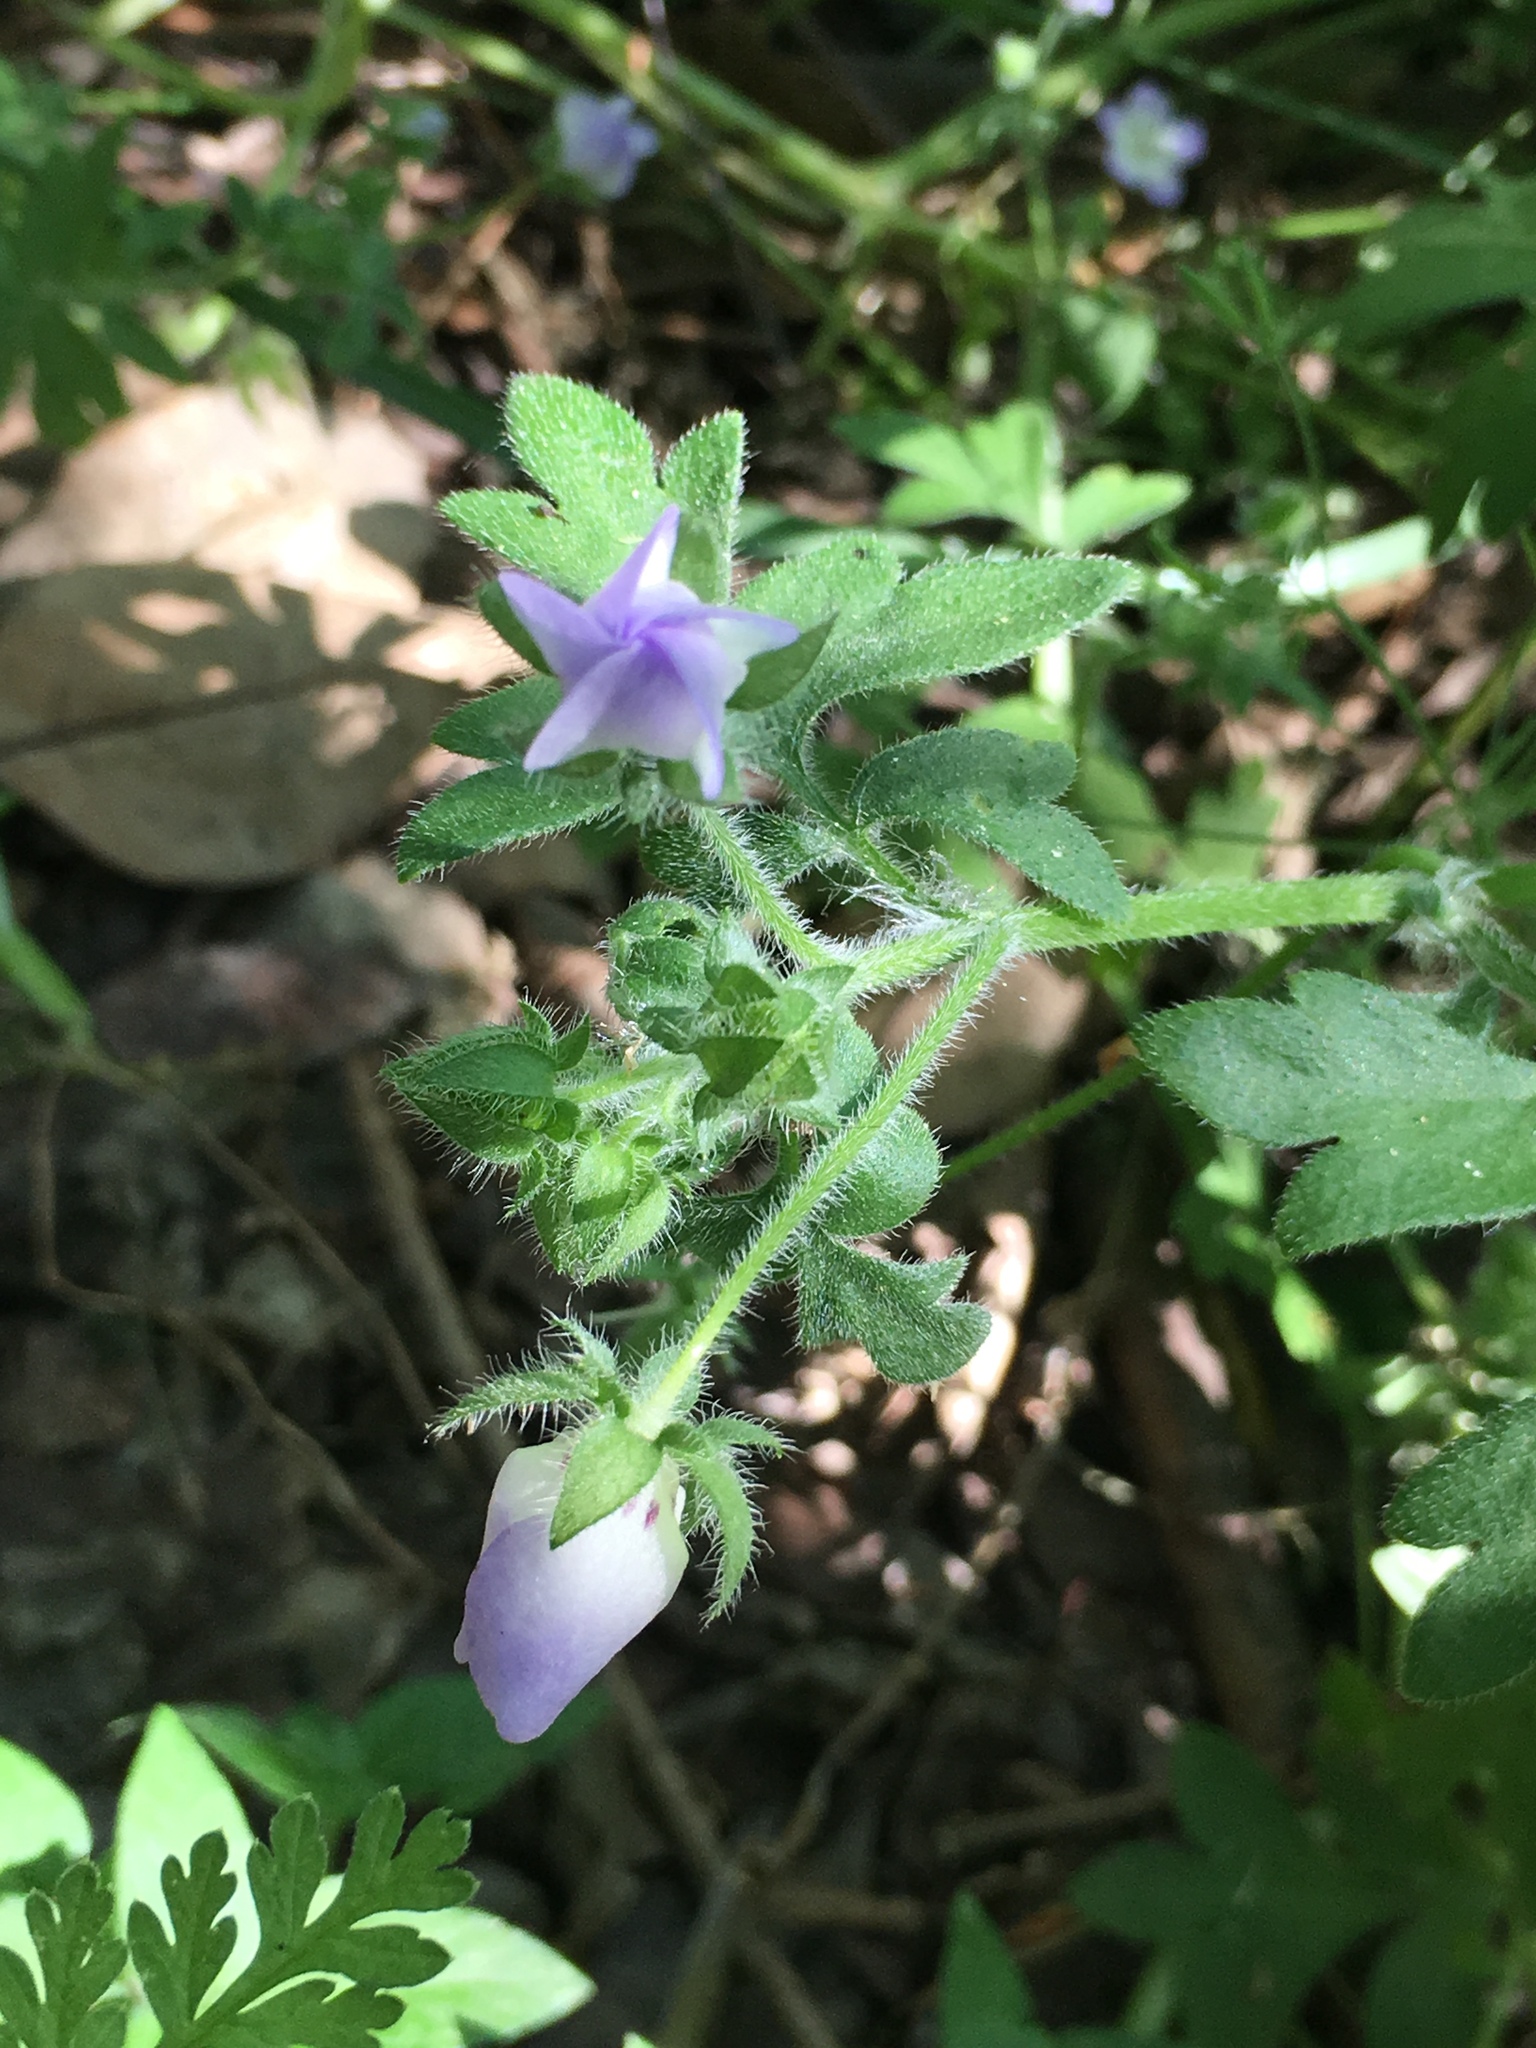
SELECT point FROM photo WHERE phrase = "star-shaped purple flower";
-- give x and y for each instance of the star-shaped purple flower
(603, 141)
(539, 1624)
(1148, 147)
(645, 663)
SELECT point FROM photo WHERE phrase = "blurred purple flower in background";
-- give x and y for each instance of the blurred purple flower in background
(1148, 146)
(645, 663)
(603, 141)
(1101, 10)
(539, 1624)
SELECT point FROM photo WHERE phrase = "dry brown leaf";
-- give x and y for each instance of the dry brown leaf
(245, 714)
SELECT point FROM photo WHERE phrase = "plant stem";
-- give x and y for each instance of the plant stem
(821, 1176)
(776, 916)
(1159, 914)
(1041, 1122)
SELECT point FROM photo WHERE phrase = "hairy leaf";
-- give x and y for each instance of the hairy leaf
(500, 807)
(1477, 1628)
(1434, 1128)
(900, 1313)
(991, 787)
(703, 475)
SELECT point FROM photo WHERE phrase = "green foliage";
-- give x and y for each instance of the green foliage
(38, 1814)
(902, 1313)
(993, 789)
(609, 1464)
(287, 1958)
(1433, 1126)
(1008, 467)
(703, 475)
(431, 1737)
(501, 807)
(79, 1959)
(1446, 256)
(960, 618)
(1477, 1628)
(1249, 1912)
(984, 2001)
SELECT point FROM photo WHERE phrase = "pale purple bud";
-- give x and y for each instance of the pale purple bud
(1148, 147)
(645, 663)
(539, 1624)
(603, 141)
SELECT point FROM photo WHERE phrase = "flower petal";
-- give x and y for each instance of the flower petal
(539, 1624)
(645, 572)
(573, 727)
(570, 638)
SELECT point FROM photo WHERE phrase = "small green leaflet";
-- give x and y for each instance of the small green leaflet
(500, 807)
(993, 788)
(984, 2001)
(703, 476)
(900, 1313)
(80, 1960)
(1477, 1628)
(1434, 1128)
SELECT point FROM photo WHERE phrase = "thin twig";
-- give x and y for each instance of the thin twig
(962, 1839)
(397, 1196)
(695, 1835)
(199, 1335)
(396, 1354)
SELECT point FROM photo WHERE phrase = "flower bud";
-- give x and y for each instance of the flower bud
(539, 1624)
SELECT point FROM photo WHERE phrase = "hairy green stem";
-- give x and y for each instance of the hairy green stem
(1159, 914)
(821, 1177)
(773, 913)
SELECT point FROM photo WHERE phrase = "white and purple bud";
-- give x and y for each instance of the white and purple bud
(1147, 146)
(645, 662)
(603, 141)
(540, 1623)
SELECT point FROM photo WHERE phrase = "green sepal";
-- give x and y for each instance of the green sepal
(773, 675)
(609, 1464)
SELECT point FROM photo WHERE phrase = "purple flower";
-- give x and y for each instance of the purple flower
(603, 142)
(1147, 145)
(539, 1624)
(1101, 10)
(645, 663)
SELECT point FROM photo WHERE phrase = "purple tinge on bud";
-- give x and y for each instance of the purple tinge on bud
(1147, 146)
(603, 141)
(645, 662)
(539, 1624)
